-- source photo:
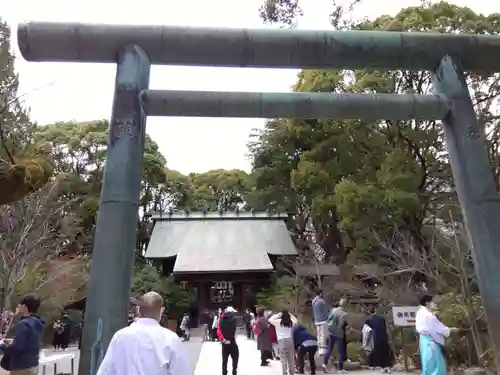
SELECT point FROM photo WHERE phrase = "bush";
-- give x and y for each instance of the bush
(462, 349)
(177, 300)
(280, 294)
(355, 352)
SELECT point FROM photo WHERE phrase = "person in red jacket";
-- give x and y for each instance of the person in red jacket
(274, 341)
(226, 331)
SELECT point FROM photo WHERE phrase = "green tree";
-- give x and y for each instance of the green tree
(32, 221)
(351, 179)
(177, 300)
(287, 12)
(15, 125)
(79, 152)
(219, 189)
(212, 190)
(24, 167)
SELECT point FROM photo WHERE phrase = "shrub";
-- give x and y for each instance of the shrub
(177, 300)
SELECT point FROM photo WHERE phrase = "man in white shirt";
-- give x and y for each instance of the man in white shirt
(145, 347)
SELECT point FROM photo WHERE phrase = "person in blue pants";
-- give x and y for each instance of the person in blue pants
(337, 326)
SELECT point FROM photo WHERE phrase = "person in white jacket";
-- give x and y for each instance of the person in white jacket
(145, 347)
(215, 324)
(284, 322)
(367, 338)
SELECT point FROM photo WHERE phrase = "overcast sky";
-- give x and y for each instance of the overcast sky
(69, 91)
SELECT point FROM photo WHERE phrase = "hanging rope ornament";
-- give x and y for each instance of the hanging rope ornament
(21, 176)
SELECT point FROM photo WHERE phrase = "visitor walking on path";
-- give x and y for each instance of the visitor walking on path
(283, 323)
(305, 344)
(57, 332)
(215, 325)
(247, 322)
(185, 327)
(432, 337)
(145, 347)
(80, 336)
(226, 332)
(66, 332)
(261, 330)
(22, 352)
(337, 324)
(380, 355)
(273, 337)
(206, 323)
(321, 312)
(345, 339)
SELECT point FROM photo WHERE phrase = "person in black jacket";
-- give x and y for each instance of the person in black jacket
(247, 321)
(66, 334)
(226, 331)
(205, 323)
(22, 353)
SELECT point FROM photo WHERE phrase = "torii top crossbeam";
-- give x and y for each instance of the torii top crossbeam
(42, 41)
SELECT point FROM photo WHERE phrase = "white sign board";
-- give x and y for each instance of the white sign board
(404, 316)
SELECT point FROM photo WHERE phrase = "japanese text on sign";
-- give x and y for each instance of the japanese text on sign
(404, 316)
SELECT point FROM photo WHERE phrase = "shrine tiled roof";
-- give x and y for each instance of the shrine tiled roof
(220, 243)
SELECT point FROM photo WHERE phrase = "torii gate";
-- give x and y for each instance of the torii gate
(135, 48)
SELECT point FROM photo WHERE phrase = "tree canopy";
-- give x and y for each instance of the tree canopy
(381, 191)
(25, 167)
(359, 181)
(288, 12)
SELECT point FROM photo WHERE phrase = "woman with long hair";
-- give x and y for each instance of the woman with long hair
(284, 323)
(432, 336)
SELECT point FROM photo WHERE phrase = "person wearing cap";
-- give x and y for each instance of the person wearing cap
(226, 331)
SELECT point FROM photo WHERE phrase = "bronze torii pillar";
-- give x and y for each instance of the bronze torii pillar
(447, 55)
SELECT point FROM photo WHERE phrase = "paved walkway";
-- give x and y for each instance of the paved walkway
(206, 360)
(210, 361)
(194, 346)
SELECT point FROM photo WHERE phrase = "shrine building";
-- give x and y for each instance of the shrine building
(227, 257)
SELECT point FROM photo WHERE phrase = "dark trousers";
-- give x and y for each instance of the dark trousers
(65, 339)
(206, 332)
(332, 342)
(213, 334)
(265, 356)
(345, 348)
(248, 329)
(233, 351)
(310, 351)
